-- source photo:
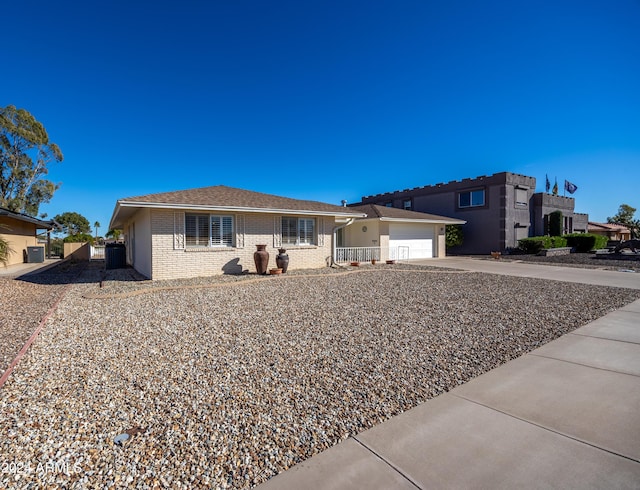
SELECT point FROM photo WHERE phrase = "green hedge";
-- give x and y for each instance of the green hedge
(584, 242)
(79, 238)
(534, 244)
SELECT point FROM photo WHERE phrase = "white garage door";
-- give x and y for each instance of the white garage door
(411, 241)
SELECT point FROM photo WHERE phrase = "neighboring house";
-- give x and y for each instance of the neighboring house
(20, 231)
(215, 230)
(499, 209)
(398, 233)
(613, 231)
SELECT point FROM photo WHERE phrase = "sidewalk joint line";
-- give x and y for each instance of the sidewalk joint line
(603, 338)
(548, 429)
(388, 463)
(583, 365)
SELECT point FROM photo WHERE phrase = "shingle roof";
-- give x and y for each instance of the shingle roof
(376, 211)
(230, 198)
(608, 227)
(223, 196)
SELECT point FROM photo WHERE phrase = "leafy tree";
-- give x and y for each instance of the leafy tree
(25, 152)
(115, 234)
(96, 225)
(453, 235)
(625, 217)
(73, 223)
(79, 238)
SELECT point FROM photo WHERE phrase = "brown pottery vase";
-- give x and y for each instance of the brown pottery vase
(261, 258)
(282, 260)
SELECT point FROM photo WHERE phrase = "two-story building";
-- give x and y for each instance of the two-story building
(499, 209)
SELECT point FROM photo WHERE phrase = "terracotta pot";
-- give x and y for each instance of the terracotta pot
(261, 258)
(355, 264)
(274, 272)
(282, 260)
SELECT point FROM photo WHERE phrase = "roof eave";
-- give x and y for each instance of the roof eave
(228, 209)
(45, 225)
(451, 221)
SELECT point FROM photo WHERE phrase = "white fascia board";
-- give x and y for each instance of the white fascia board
(426, 221)
(232, 209)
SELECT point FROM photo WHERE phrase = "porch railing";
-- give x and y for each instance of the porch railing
(357, 254)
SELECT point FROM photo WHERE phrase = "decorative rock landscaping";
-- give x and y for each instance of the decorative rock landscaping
(225, 382)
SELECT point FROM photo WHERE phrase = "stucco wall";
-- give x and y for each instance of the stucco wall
(494, 226)
(138, 242)
(77, 251)
(170, 259)
(19, 235)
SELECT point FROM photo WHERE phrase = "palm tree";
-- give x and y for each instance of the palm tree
(96, 225)
(114, 233)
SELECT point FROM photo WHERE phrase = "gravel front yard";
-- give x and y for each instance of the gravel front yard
(23, 303)
(233, 384)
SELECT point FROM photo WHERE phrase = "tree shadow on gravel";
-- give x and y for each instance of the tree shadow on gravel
(81, 273)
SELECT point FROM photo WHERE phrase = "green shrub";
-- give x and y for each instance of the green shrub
(555, 242)
(555, 223)
(583, 242)
(453, 236)
(534, 244)
(531, 245)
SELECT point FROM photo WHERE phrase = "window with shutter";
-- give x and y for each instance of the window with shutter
(298, 231)
(203, 230)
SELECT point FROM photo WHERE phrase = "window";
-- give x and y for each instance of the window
(470, 199)
(204, 230)
(298, 231)
(521, 197)
(407, 204)
(388, 204)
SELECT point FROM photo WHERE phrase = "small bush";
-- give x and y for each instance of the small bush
(584, 242)
(556, 242)
(534, 244)
(531, 245)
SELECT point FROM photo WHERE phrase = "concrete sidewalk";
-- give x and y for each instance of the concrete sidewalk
(596, 277)
(18, 270)
(566, 415)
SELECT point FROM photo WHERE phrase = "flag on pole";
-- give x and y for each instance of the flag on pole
(555, 188)
(569, 187)
(548, 184)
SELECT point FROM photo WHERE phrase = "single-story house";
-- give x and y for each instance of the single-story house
(215, 230)
(398, 233)
(613, 231)
(20, 231)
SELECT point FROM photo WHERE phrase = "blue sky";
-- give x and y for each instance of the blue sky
(328, 100)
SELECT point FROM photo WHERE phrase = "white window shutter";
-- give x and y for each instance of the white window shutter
(320, 232)
(277, 231)
(239, 218)
(178, 231)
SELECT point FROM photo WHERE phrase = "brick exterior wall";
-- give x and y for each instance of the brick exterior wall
(170, 260)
